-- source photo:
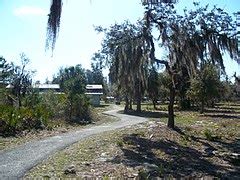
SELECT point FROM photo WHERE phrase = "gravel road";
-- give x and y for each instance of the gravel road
(16, 162)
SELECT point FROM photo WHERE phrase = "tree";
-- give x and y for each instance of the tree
(164, 84)
(227, 90)
(125, 54)
(191, 38)
(73, 83)
(153, 88)
(5, 72)
(95, 75)
(206, 86)
(237, 85)
(195, 37)
(21, 79)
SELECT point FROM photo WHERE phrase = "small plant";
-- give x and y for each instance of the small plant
(160, 170)
(105, 177)
(140, 133)
(185, 139)
(120, 143)
(210, 136)
(14, 120)
(142, 174)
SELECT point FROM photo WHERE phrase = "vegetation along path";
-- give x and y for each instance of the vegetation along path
(16, 162)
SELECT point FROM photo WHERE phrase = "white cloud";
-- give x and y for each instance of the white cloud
(29, 11)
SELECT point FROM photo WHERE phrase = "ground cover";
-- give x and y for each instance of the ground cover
(204, 145)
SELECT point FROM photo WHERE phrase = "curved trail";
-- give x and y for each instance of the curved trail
(16, 162)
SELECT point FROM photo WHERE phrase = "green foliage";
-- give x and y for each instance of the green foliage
(153, 86)
(190, 40)
(124, 50)
(72, 79)
(210, 136)
(21, 79)
(227, 91)
(32, 99)
(120, 143)
(6, 70)
(14, 120)
(164, 82)
(206, 86)
(20, 107)
(55, 103)
(73, 82)
(95, 75)
(142, 174)
(79, 109)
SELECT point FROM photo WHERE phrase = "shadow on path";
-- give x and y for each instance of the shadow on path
(146, 114)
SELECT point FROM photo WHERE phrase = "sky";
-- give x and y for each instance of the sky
(23, 29)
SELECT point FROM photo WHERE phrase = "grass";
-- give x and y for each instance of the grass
(202, 146)
(80, 154)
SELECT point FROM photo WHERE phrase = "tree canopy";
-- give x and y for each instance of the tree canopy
(190, 40)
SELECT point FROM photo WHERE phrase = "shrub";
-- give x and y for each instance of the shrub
(210, 136)
(55, 103)
(120, 143)
(78, 109)
(14, 120)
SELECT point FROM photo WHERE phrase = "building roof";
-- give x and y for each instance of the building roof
(94, 86)
(94, 93)
(46, 86)
(9, 86)
(40, 86)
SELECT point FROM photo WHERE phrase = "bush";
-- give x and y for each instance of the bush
(78, 109)
(14, 120)
(55, 103)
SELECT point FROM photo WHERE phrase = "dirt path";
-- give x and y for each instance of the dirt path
(16, 162)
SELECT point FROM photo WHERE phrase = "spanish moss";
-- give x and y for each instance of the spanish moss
(53, 24)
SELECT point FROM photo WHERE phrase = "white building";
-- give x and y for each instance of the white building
(43, 88)
(94, 92)
(47, 87)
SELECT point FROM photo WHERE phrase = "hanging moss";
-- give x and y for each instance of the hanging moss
(53, 25)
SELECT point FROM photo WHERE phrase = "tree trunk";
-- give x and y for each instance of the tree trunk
(202, 107)
(170, 108)
(212, 104)
(20, 103)
(19, 100)
(139, 97)
(138, 104)
(130, 104)
(70, 110)
(154, 104)
(126, 109)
